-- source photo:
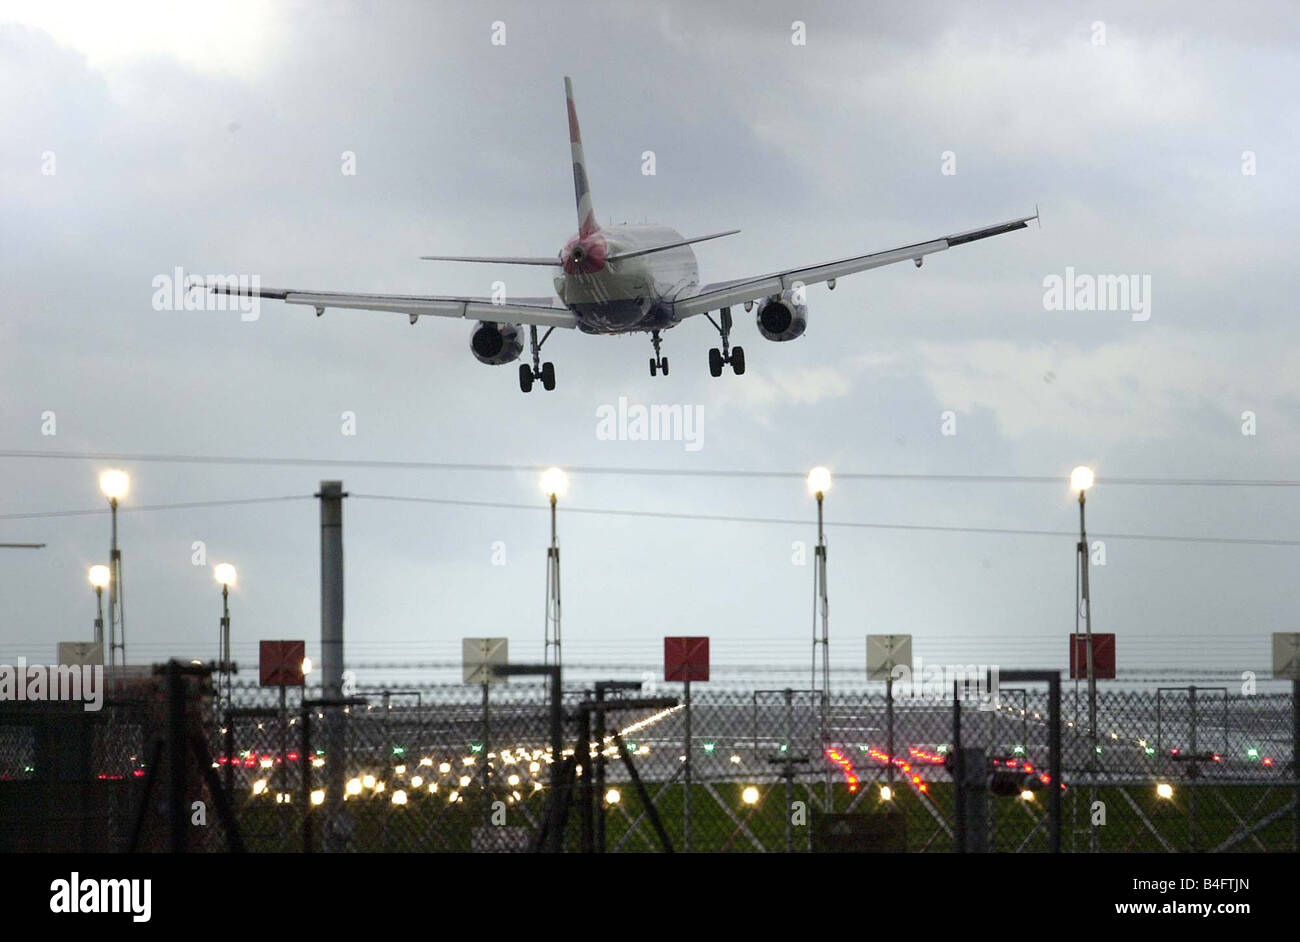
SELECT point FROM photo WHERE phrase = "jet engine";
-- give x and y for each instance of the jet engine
(495, 344)
(780, 318)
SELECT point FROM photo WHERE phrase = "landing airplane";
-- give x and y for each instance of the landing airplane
(623, 279)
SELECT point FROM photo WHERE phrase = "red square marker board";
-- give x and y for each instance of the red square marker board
(686, 659)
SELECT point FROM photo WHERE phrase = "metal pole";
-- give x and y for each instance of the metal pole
(223, 678)
(487, 765)
(1191, 792)
(552, 627)
(116, 627)
(284, 762)
(99, 617)
(177, 760)
(585, 791)
(789, 772)
(305, 757)
(331, 637)
(1054, 760)
(821, 637)
(600, 772)
(1295, 761)
(1094, 837)
(889, 733)
(686, 795)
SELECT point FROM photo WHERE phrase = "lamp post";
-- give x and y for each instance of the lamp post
(225, 575)
(115, 484)
(819, 482)
(100, 576)
(1081, 479)
(555, 484)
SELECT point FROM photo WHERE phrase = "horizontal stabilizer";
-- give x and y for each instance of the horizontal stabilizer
(671, 245)
(552, 261)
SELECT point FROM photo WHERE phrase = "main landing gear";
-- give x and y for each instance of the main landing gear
(728, 354)
(658, 364)
(543, 371)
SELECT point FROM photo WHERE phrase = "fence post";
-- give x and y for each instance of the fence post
(178, 754)
(1295, 759)
(331, 639)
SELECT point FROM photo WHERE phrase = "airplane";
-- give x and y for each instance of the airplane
(623, 279)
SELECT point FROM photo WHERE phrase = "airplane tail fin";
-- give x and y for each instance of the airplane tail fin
(587, 223)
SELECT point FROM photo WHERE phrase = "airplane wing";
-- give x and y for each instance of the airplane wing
(721, 294)
(520, 311)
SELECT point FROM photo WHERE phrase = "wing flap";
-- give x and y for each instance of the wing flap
(415, 306)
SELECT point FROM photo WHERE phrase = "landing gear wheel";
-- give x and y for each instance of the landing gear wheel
(525, 377)
(715, 362)
(738, 360)
(654, 367)
(663, 365)
(548, 376)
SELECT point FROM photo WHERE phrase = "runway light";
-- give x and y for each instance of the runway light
(465, 781)
(512, 780)
(444, 767)
(224, 573)
(114, 484)
(1165, 790)
(1026, 795)
(819, 480)
(399, 797)
(368, 781)
(1081, 478)
(555, 483)
(750, 795)
(259, 786)
(886, 793)
(99, 576)
(613, 796)
(417, 781)
(318, 797)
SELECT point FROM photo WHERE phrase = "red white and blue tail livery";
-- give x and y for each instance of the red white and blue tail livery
(620, 279)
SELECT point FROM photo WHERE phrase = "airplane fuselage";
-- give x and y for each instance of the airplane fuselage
(632, 294)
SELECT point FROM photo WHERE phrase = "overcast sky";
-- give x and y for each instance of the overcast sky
(214, 142)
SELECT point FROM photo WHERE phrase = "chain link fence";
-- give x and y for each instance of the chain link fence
(462, 768)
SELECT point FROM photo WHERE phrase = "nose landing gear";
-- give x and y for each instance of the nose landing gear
(658, 364)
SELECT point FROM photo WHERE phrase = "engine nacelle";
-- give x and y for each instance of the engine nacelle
(495, 344)
(780, 318)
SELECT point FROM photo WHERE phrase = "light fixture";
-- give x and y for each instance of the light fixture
(750, 795)
(100, 576)
(1081, 478)
(613, 796)
(555, 483)
(886, 793)
(224, 573)
(114, 484)
(1165, 790)
(819, 480)
(1027, 795)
